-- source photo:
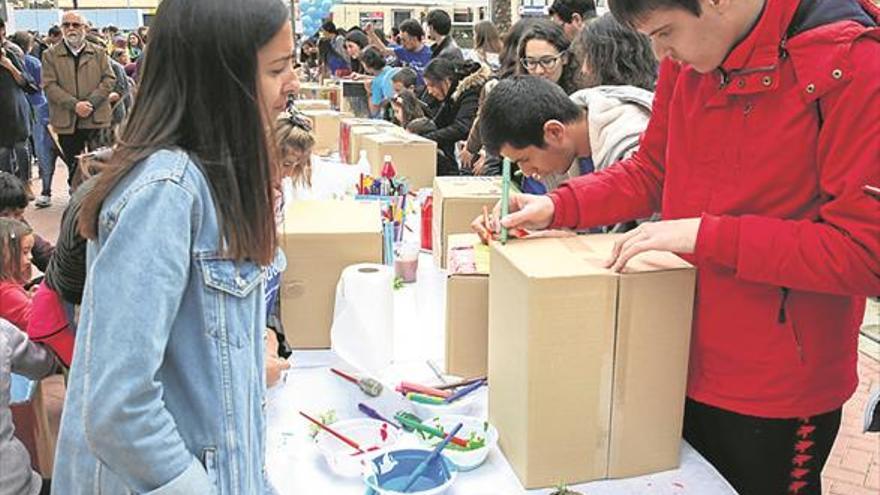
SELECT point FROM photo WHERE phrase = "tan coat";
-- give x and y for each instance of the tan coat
(66, 85)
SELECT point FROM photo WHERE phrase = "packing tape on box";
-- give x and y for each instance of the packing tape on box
(363, 319)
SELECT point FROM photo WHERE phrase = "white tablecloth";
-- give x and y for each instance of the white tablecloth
(297, 468)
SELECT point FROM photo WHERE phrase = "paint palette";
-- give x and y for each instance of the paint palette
(374, 437)
(388, 473)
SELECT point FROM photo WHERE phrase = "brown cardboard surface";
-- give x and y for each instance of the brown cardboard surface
(587, 367)
(467, 318)
(414, 157)
(457, 201)
(325, 129)
(32, 429)
(320, 239)
(650, 371)
(351, 129)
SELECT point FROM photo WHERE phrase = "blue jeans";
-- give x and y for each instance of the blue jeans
(44, 148)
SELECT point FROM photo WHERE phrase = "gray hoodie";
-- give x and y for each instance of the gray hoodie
(617, 116)
(19, 355)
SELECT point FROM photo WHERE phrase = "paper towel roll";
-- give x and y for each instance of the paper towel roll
(363, 319)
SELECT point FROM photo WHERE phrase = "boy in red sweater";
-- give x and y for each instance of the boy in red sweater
(762, 138)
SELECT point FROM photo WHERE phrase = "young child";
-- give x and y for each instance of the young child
(26, 358)
(407, 108)
(16, 243)
(295, 143)
(14, 198)
(404, 79)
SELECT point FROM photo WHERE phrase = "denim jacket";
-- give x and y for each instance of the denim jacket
(166, 390)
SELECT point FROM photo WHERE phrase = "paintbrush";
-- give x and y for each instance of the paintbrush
(464, 391)
(505, 196)
(369, 386)
(412, 422)
(351, 443)
(369, 411)
(427, 462)
(460, 384)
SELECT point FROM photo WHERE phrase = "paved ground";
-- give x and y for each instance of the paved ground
(854, 466)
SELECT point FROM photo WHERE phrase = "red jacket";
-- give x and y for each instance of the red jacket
(772, 151)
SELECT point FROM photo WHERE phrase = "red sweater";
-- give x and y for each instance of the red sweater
(772, 154)
(15, 305)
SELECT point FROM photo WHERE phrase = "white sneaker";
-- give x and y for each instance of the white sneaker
(43, 202)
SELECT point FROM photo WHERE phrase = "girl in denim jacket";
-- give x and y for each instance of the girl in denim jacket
(167, 384)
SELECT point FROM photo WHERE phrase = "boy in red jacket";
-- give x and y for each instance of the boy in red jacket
(765, 129)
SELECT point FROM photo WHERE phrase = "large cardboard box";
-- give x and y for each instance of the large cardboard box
(457, 202)
(312, 105)
(587, 368)
(467, 312)
(315, 91)
(351, 129)
(325, 129)
(414, 157)
(320, 239)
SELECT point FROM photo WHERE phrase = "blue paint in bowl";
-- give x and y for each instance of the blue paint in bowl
(390, 472)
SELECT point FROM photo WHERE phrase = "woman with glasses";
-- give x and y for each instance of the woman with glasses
(544, 51)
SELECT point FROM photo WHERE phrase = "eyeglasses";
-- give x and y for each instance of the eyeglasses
(547, 62)
(72, 25)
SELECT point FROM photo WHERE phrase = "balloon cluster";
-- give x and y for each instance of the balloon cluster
(313, 13)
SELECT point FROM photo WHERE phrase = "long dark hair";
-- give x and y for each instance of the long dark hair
(616, 55)
(549, 31)
(198, 92)
(444, 69)
(510, 54)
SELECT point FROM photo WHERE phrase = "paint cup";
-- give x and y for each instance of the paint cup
(463, 459)
(388, 473)
(368, 433)
(406, 262)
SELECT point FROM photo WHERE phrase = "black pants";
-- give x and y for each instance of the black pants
(763, 456)
(73, 145)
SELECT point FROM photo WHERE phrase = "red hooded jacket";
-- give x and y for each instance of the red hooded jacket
(771, 150)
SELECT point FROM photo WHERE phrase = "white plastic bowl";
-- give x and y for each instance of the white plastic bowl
(463, 406)
(463, 460)
(367, 434)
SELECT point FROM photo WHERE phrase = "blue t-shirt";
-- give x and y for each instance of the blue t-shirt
(416, 60)
(383, 86)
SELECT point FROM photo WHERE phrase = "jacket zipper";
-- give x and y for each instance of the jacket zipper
(782, 317)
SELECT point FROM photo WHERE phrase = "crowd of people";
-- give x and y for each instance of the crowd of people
(663, 121)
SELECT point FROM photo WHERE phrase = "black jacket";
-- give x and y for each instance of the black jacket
(455, 117)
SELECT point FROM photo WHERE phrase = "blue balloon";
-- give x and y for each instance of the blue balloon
(311, 11)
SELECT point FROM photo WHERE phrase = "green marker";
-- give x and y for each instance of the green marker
(505, 197)
(424, 399)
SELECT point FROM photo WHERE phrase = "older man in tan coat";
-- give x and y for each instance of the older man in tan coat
(78, 80)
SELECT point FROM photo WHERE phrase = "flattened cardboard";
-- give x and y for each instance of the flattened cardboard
(467, 317)
(587, 367)
(414, 157)
(457, 201)
(320, 239)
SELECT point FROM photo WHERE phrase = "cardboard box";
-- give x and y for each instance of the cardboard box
(414, 157)
(312, 105)
(351, 129)
(325, 128)
(315, 91)
(320, 239)
(457, 201)
(467, 314)
(587, 367)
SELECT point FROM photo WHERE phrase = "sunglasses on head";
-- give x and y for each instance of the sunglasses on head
(299, 120)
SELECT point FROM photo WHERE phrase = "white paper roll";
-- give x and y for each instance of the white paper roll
(363, 319)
